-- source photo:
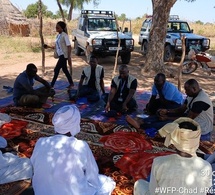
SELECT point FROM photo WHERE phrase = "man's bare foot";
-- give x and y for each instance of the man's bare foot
(132, 122)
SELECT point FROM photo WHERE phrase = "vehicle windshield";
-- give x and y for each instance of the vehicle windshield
(178, 27)
(101, 24)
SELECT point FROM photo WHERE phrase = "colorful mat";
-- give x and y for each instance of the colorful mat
(116, 146)
(31, 131)
(94, 111)
(25, 134)
(122, 152)
(14, 188)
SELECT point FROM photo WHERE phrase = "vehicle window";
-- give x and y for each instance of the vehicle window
(146, 25)
(178, 26)
(81, 22)
(184, 27)
(98, 24)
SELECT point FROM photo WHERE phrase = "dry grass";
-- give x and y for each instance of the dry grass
(207, 30)
(32, 44)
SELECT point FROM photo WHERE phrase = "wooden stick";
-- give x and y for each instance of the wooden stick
(117, 52)
(181, 62)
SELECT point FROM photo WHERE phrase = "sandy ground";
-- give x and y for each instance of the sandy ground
(12, 64)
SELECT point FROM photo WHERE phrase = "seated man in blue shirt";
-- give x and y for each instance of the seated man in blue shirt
(169, 96)
(197, 106)
(23, 92)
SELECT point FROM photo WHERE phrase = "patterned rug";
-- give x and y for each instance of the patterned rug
(14, 188)
(23, 135)
(123, 164)
(118, 149)
(31, 131)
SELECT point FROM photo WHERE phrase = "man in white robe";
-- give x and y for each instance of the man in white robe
(12, 167)
(181, 173)
(65, 165)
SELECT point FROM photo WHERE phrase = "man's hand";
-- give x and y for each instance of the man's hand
(47, 46)
(70, 62)
(107, 107)
(162, 112)
(124, 107)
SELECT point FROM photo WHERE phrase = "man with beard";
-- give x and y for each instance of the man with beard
(197, 106)
(122, 94)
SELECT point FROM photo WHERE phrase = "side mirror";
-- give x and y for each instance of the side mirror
(191, 30)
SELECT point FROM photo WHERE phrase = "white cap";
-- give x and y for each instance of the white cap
(67, 119)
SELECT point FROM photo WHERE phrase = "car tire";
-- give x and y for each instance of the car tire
(169, 54)
(144, 47)
(77, 49)
(126, 57)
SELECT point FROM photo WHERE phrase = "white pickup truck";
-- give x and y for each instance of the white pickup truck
(97, 34)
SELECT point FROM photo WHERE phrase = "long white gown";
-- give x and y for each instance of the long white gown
(12, 167)
(176, 175)
(66, 165)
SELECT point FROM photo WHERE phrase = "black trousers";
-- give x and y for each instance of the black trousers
(157, 104)
(117, 105)
(92, 95)
(61, 64)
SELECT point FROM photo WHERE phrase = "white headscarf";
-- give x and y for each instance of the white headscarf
(184, 140)
(3, 142)
(67, 119)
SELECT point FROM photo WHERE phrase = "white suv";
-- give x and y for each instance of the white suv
(173, 45)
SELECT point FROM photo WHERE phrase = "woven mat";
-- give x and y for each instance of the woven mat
(91, 131)
(14, 188)
(32, 131)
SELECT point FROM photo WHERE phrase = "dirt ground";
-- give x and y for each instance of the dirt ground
(12, 64)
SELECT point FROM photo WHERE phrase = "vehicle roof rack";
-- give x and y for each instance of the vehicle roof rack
(97, 12)
(173, 17)
(148, 16)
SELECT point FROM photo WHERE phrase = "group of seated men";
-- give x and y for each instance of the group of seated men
(165, 105)
(195, 120)
(91, 84)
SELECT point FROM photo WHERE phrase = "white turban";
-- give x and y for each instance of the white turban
(184, 140)
(3, 142)
(67, 119)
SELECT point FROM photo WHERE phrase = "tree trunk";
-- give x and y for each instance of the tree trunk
(61, 11)
(155, 52)
(70, 11)
(41, 35)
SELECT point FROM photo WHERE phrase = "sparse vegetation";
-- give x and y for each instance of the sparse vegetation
(15, 44)
(32, 43)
